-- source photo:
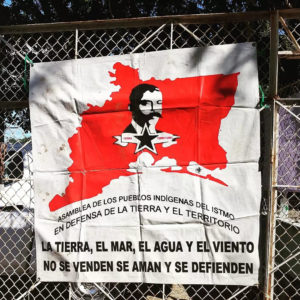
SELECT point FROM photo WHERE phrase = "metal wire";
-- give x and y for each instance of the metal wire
(286, 223)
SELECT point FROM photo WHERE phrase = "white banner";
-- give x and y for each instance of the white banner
(146, 167)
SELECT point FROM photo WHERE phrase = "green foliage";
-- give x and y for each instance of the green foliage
(41, 11)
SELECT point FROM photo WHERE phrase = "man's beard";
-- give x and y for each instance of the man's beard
(142, 119)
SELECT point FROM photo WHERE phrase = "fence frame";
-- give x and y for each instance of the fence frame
(272, 16)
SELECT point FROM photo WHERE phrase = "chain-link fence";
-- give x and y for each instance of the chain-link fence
(284, 263)
(60, 42)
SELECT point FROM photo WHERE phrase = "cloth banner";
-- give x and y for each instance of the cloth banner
(146, 167)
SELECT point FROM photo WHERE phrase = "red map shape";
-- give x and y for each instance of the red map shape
(193, 108)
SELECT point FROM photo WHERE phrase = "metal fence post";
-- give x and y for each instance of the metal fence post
(76, 43)
(274, 40)
(273, 88)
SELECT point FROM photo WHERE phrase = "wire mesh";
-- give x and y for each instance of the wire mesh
(17, 251)
(286, 269)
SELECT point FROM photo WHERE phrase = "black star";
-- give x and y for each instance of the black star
(198, 170)
(145, 140)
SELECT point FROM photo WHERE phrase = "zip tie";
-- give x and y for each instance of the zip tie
(25, 71)
(262, 108)
(262, 102)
